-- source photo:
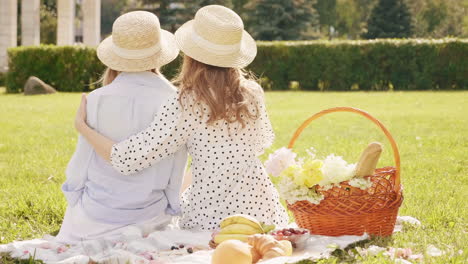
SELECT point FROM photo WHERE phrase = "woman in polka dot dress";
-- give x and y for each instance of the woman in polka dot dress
(219, 115)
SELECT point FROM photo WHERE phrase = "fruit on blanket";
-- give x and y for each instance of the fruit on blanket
(268, 228)
(232, 252)
(241, 219)
(369, 159)
(238, 227)
(293, 235)
(219, 238)
(241, 229)
(266, 247)
(212, 244)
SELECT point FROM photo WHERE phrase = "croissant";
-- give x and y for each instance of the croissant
(266, 247)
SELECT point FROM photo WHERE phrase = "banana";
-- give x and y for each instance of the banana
(241, 219)
(241, 229)
(223, 237)
(268, 228)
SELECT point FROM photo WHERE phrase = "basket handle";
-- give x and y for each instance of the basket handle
(396, 154)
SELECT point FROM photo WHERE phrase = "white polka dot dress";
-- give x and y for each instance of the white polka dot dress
(228, 178)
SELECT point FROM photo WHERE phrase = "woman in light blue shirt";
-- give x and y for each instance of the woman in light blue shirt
(101, 201)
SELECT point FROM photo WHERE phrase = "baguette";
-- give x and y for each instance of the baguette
(369, 159)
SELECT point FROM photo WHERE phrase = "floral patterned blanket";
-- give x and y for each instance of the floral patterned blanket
(133, 247)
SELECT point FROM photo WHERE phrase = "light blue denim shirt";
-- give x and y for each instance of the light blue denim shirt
(119, 110)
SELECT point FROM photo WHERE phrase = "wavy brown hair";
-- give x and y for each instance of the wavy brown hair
(223, 90)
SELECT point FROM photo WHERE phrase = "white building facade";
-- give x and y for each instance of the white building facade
(30, 24)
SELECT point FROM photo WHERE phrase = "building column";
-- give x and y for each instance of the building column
(8, 27)
(65, 22)
(30, 22)
(91, 22)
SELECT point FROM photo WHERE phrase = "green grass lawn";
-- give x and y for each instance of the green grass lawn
(37, 139)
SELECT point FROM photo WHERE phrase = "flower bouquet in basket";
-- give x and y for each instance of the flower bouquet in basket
(331, 197)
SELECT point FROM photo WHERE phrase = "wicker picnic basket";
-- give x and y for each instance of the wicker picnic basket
(347, 210)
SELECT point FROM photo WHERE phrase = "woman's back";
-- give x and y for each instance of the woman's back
(119, 110)
(228, 178)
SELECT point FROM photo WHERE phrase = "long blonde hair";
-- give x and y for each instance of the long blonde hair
(108, 76)
(222, 90)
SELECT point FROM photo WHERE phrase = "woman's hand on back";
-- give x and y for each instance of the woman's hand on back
(101, 144)
(80, 118)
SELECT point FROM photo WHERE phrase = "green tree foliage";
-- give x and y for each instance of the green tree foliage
(171, 13)
(48, 13)
(202, 3)
(348, 21)
(111, 9)
(389, 19)
(239, 6)
(440, 18)
(281, 19)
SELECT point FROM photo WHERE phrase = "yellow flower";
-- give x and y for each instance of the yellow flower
(291, 171)
(313, 164)
(311, 173)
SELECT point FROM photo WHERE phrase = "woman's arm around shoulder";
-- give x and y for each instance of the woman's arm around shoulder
(170, 129)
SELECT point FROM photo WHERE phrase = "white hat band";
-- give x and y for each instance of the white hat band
(213, 47)
(135, 54)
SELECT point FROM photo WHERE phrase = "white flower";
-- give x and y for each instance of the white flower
(335, 170)
(433, 251)
(292, 192)
(408, 220)
(361, 183)
(279, 160)
(375, 250)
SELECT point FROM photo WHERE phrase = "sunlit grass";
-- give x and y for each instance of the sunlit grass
(37, 139)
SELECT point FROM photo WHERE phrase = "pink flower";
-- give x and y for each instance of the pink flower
(25, 252)
(146, 255)
(279, 160)
(46, 246)
(403, 252)
(62, 249)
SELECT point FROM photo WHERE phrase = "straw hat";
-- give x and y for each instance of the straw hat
(137, 44)
(217, 37)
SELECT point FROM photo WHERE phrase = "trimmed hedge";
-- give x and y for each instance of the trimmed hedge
(308, 65)
(2, 79)
(66, 68)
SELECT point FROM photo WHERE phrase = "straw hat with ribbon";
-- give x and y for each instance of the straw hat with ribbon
(137, 44)
(217, 37)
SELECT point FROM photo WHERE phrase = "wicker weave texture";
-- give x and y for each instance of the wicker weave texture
(347, 210)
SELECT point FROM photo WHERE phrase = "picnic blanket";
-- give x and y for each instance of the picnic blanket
(134, 247)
